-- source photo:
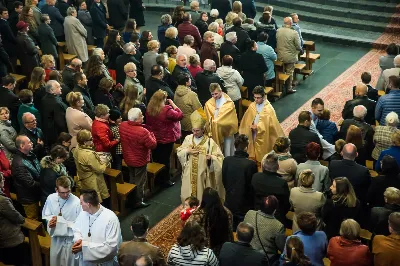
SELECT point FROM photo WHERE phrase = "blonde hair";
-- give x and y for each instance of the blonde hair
(101, 109)
(171, 33)
(73, 98)
(129, 66)
(131, 99)
(155, 104)
(396, 138)
(392, 195)
(219, 21)
(344, 192)
(47, 59)
(306, 178)
(207, 34)
(237, 7)
(4, 108)
(83, 136)
(350, 229)
(230, 17)
(153, 44)
(36, 79)
(106, 84)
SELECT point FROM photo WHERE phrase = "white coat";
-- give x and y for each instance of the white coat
(75, 38)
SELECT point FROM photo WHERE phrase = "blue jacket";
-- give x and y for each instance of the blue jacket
(57, 20)
(386, 104)
(327, 129)
(269, 57)
(98, 14)
(392, 151)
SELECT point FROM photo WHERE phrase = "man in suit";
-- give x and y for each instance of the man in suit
(241, 252)
(100, 26)
(361, 92)
(14, 16)
(269, 182)
(118, 11)
(9, 99)
(57, 20)
(301, 136)
(80, 81)
(34, 133)
(7, 36)
(358, 175)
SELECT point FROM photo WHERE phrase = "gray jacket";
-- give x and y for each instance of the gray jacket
(7, 138)
(149, 60)
(86, 20)
(10, 223)
(322, 181)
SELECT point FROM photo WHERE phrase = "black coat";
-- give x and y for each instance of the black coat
(372, 93)
(8, 37)
(68, 76)
(242, 37)
(249, 8)
(121, 61)
(202, 26)
(13, 20)
(11, 101)
(268, 183)
(239, 254)
(379, 219)
(118, 11)
(253, 67)
(26, 172)
(228, 48)
(179, 70)
(48, 41)
(358, 176)
(203, 81)
(168, 42)
(113, 52)
(93, 84)
(98, 14)
(136, 12)
(27, 53)
(37, 98)
(300, 137)
(153, 85)
(5, 63)
(62, 7)
(347, 112)
(88, 108)
(237, 172)
(104, 97)
(54, 114)
(378, 186)
(57, 20)
(38, 149)
(223, 7)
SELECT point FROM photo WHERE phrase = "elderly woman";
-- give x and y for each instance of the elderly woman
(48, 41)
(170, 39)
(57, 76)
(131, 100)
(149, 58)
(102, 136)
(233, 80)
(26, 98)
(7, 133)
(287, 165)
(172, 52)
(103, 95)
(229, 21)
(271, 232)
(322, 181)
(75, 35)
(130, 70)
(379, 215)
(201, 23)
(192, 246)
(90, 166)
(162, 118)
(306, 199)
(218, 39)
(186, 48)
(347, 249)
(48, 63)
(27, 16)
(386, 62)
(383, 134)
(166, 22)
(393, 151)
(194, 65)
(52, 168)
(342, 204)
(76, 118)
(215, 219)
(208, 50)
(86, 19)
(387, 178)
(187, 101)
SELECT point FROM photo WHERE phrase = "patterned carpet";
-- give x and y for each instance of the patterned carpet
(335, 95)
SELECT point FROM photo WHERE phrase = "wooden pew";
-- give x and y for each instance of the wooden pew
(309, 57)
(153, 169)
(298, 68)
(123, 191)
(114, 177)
(35, 229)
(91, 49)
(19, 78)
(64, 57)
(280, 79)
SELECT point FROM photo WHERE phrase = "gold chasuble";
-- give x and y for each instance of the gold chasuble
(196, 174)
(225, 124)
(268, 130)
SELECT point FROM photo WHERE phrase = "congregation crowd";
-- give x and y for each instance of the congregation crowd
(131, 98)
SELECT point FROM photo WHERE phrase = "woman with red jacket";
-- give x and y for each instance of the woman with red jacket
(101, 132)
(162, 118)
(5, 169)
(347, 249)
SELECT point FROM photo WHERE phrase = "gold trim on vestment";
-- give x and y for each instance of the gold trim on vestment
(195, 163)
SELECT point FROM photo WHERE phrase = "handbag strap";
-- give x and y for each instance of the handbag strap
(259, 239)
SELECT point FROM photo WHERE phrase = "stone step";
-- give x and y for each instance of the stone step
(337, 11)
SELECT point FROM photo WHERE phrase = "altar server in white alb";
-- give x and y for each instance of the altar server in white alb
(61, 210)
(97, 233)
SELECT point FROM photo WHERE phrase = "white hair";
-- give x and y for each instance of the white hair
(230, 36)
(25, 116)
(129, 47)
(208, 64)
(214, 13)
(359, 111)
(213, 27)
(396, 61)
(392, 119)
(50, 85)
(97, 51)
(133, 114)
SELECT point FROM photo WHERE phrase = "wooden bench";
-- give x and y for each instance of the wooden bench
(35, 229)
(64, 57)
(18, 78)
(280, 79)
(114, 177)
(244, 92)
(153, 169)
(298, 69)
(91, 49)
(309, 57)
(175, 165)
(123, 191)
(369, 164)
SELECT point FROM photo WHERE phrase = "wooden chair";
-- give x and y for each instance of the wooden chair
(175, 165)
(19, 78)
(37, 242)
(298, 68)
(280, 79)
(123, 191)
(153, 169)
(308, 57)
(64, 57)
(114, 177)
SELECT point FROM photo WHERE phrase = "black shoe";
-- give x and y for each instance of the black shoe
(169, 183)
(141, 205)
(291, 91)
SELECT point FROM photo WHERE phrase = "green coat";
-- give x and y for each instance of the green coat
(28, 108)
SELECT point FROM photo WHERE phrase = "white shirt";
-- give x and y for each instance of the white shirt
(218, 105)
(259, 108)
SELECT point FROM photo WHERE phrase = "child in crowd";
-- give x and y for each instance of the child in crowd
(326, 128)
(191, 204)
(115, 120)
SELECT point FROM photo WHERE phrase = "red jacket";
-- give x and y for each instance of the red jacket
(166, 126)
(5, 169)
(137, 143)
(102, 136)
(187, 28)
(343, 252)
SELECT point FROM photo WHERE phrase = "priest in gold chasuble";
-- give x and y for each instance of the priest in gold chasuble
(260, 125)
(222, 119)
(201, 160)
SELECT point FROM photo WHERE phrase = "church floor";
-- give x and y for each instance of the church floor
(335, 59)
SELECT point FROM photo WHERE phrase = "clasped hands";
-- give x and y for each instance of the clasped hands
(77, 246)
(193, 152)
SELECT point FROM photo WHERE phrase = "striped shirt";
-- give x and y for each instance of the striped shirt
(185, 256)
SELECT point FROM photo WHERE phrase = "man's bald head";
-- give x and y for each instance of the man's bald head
(361, 89)
(349, 152)
(288, 21)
